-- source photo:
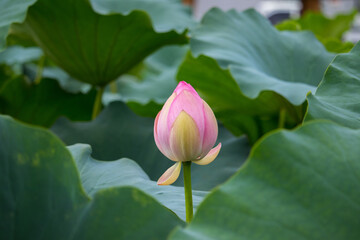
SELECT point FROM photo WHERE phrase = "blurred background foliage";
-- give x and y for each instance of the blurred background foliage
(329, 31)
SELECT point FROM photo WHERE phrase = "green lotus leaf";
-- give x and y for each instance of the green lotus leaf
(97, 175)
(337, 97)
(19, 36)
(94, 48)
(328, 31)
(41, 195)
(19, 55)
(15, 57)
(165, 15)
(11, 11)
(43, 103)
(301, 184)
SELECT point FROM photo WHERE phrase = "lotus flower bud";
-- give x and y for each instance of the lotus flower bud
(185, 130)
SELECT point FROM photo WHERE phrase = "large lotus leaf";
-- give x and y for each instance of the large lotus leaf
(11, 11)
(94, 48)
(302, 184)
(96, 175)
(118, 133)
(337, 97)
(257, 59)
(328, 31)
(43, 103)
(146, 93)
(165, 14)
(41, 196)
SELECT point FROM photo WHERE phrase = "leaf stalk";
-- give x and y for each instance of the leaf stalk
(39, 70)
(97, 103)
(282, 118)
(188, 191)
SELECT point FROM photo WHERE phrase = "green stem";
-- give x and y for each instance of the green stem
(282, 116)
(113, 87)
(97, 103)
(40, 70)
(188, 191)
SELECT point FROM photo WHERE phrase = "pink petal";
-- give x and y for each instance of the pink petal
(156, 135)
(210, 156)
(190, 103)
(170, 175)
(210, 130)
(162, 134)
(184, 86)
(185, 141)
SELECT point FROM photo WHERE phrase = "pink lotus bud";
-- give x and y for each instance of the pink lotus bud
(185, 130)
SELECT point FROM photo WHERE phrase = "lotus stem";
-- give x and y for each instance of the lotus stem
(40, 70)
(113, 87)
(97, 103)
(188, 191)
(282, 116)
